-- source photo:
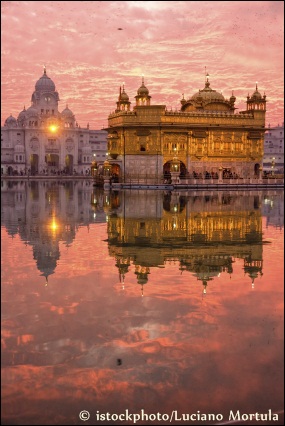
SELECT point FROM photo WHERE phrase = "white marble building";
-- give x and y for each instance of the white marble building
(42, 140)
(273, 159)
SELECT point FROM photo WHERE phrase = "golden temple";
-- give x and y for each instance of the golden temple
(206, 135)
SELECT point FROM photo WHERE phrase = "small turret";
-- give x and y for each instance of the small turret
(123, 103)
(143, 97)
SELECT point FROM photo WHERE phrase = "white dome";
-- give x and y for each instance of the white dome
(22, 115)
(67, 112)
(11, 121)
(45, 84)
(32, 112)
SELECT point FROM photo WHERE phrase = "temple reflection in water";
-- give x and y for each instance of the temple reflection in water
(204, 233)
(73, 339)
(47, 213)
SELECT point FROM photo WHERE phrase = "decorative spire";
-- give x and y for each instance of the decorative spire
(183, 101)
(45, 71)
(205, 287)
(207, 83)
(232, 98)
(256, 86)
(142, 80)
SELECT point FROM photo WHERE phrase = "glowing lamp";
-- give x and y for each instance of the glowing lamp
(175, 165)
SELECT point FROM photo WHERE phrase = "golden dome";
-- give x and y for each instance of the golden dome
(256, 95)
(207, 94)
(124, 96)
(143, 90)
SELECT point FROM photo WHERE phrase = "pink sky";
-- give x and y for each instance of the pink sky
(169, 42)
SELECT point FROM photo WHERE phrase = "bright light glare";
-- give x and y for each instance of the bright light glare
(54, 225)
(53, 128)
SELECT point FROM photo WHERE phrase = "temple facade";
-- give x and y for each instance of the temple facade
(273, 159)
(206, 135)
(44, 141)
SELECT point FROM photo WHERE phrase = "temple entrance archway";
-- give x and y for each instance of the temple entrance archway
(69, 164)
(34, 162)
(167, 168)
(52, 161)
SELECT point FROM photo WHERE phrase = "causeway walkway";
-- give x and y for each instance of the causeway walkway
(203, 184)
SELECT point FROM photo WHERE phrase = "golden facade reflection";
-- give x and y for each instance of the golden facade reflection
(204, 233)
(87, 340)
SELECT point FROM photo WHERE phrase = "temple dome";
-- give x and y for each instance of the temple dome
(142, 280)
(11, 121)
(143, 90)
(124, 96)
(256, 95)
(22, 115)
(45, 84)
(207, 94)
(32, 112)
(67, 112)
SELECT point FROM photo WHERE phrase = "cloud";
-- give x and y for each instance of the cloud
(170, 42)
